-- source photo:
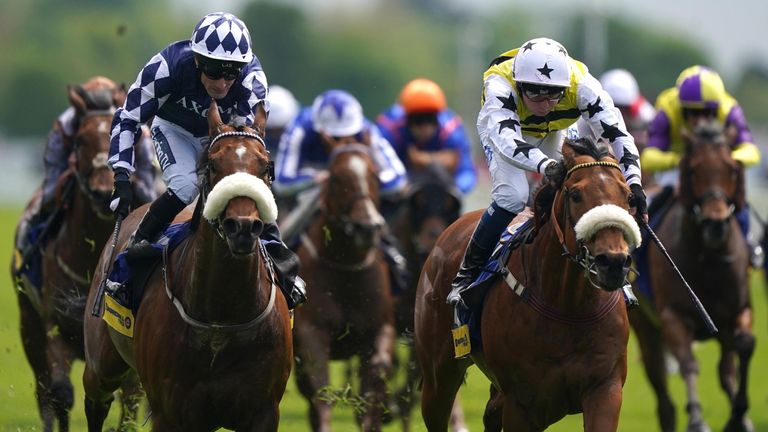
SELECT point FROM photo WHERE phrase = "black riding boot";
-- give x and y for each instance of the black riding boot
(158, 217)
(398, 266)
(286, 265)
(484, 239)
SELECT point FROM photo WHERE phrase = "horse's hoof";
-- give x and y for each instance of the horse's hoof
(739, 425)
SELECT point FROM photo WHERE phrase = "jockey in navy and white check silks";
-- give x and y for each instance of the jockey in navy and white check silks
(222, 36)
(169, 87)
(301, 154)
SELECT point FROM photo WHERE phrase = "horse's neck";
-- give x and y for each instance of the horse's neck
(82, 235)
(335, 245)
(218, 287)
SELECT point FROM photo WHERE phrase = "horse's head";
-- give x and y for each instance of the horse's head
(590, 213)
(351, 196)
(95, 103)
(235, 177)
(433, 202)
(711, 181)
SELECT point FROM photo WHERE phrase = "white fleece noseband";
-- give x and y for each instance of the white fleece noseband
(245, 185)
(608, 215)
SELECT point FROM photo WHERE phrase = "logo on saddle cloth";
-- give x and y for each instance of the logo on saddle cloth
(118, 316)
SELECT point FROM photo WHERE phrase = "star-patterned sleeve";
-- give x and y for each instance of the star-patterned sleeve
(498, 125)
(605, 120)
(145, 97)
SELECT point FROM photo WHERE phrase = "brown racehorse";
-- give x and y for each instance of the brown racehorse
(560, 346)
(704, 240)
(350, 311)
(212, 341)
(52, 324)
(432, 202)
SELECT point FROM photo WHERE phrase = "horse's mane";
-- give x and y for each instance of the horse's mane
(544, 196)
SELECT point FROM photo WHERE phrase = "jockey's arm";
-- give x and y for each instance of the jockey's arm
(745, 151)
(420, 159)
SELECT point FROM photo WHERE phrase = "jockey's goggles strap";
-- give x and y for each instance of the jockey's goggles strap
(592, 164)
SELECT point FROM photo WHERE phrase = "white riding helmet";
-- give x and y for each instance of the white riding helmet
(337, 113)
(542, 61)
(621, 86)
(222, 36)
(283, 107)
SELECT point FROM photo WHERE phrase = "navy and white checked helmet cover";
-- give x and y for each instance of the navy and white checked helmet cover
(222, 36)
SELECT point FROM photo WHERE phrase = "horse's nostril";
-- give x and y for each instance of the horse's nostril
(606, 261)
(230, 226)
(257, 227)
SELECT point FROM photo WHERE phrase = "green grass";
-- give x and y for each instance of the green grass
(18, 410)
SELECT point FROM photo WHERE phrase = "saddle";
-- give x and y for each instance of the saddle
(467, 337)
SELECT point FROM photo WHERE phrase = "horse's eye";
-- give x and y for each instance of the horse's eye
(575, 196)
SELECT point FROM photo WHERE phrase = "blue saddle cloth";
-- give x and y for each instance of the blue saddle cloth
(643, 281)
(512, 237)
(120, 277)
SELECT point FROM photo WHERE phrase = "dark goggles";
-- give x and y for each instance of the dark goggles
(699, 112)
(421, 118)
(538, 93)
(217, 70)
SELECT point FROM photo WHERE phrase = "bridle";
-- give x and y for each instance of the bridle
(98, 162)
(583, 257)
(204, 173)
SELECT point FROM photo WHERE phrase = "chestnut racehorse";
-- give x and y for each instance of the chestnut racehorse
(554, 328)
(703, 238)
(212, 341)
(349, 312)
(52, 323)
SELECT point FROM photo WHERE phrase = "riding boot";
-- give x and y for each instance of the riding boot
(158, 217)
(398, 266)
(487, 233)
(286, 264)
(754, 248)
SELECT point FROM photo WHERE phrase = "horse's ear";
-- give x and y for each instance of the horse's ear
(214, 118)
(76, 100)
(119, 95)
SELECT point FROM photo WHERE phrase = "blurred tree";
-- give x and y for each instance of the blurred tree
(752, 93)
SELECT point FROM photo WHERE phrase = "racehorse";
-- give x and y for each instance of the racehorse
(350, 310)
(52, 323)
(212, 340)
(703, 237)
(554, 328)
(432, 202)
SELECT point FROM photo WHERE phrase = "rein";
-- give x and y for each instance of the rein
(583, 258)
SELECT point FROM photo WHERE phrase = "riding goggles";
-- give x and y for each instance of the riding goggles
(218, 70)
(537, 93)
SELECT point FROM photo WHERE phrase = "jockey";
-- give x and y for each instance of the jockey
(176, 87)
(102, 94)
(635, 109)
(302, 161)
(531, 95)
(698, 96)
(423, 130)
(283, 108)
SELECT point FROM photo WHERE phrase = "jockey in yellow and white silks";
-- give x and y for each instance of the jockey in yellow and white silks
(531, 96)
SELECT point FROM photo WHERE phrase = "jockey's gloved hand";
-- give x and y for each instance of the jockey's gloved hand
(555, 173)
(639, 202)
(122, 195)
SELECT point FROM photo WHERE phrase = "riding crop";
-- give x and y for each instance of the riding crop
(696, 302)
(97, 304)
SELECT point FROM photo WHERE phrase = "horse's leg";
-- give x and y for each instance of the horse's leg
(59, 355)
(33, 340)
(373, 371)
(744, 343)
(492, 416)
(651, 344)
(602, 405)
(130, 400)
(457, 417)
(679, 340)
(265, 419)
(312, 351)
(441, 382)
(515, 418)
